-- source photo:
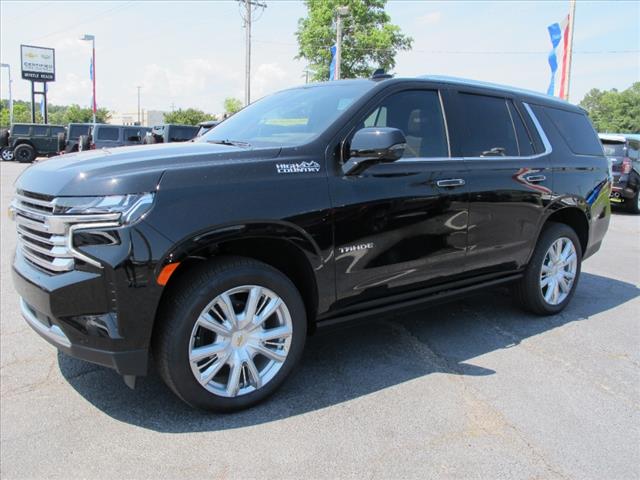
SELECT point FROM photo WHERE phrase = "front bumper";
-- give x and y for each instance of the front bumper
(126, 362)
(101, 315)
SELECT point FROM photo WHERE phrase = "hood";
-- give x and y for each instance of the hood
(124, 170)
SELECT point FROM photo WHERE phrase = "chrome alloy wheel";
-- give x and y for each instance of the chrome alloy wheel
(558, 272)
(240, 341)
(7, 154)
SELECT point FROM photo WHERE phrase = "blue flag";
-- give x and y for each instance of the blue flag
(42, 102)
(332, 65)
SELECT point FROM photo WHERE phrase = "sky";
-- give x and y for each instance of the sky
(191, 54)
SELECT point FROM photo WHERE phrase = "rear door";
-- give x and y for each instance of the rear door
(510, 180)
(401, 226)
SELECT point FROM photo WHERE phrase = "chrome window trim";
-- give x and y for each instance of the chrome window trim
(543, 136)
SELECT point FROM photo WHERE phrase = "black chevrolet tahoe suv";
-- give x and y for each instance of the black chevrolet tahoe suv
(316, 205)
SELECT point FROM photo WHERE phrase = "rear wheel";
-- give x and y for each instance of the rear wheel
(552, 275)
(230, 333)
(6, 153)
(24, 153)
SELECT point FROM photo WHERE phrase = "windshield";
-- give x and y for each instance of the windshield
(613, 149)
(288, 118)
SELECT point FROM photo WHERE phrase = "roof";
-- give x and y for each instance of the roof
(494, 86)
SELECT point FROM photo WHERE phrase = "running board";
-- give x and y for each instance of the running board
(441, 296)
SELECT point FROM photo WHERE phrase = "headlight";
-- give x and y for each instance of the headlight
(131, 207)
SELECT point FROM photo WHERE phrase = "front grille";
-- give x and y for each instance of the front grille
(43, 243)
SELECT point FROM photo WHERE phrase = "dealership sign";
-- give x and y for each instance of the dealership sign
(38, 63)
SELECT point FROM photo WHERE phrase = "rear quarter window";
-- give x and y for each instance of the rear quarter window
(577, 131)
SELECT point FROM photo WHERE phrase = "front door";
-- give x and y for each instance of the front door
(401, 226)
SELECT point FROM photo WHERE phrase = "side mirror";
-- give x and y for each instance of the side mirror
(374, 145)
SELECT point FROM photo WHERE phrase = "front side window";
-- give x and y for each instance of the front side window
(418, 114)
(489, 129)
(108, 133)
(40, 131)
(289, 118)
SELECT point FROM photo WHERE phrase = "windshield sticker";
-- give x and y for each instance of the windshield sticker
(304, 167)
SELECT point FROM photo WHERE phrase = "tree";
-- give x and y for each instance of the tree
(369, 40)
(58, 114)
(614, 111)
(189, 116)
(232, 105)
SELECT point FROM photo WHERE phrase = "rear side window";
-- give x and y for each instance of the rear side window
(108, 133)
(576, 130)
(20, 130)
(613, 149)
(490, 130)
(40, 131)
(525, 145)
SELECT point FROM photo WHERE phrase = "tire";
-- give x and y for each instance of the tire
(633, 204)
(84, 143)
(62, 142)
(6, 153)
(4, 137)
(24, 153)
(530, 292)
(180, 332)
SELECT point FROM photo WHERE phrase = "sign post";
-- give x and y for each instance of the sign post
(38, 64)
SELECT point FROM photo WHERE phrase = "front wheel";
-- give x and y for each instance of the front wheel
(6, 153)
(552, 275)
(230, 333)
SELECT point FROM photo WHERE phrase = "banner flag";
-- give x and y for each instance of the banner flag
(560, 35)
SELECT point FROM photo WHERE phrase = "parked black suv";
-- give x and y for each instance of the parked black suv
(315, 205)
(623, 150)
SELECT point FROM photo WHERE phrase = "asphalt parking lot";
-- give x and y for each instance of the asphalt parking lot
(475, 389)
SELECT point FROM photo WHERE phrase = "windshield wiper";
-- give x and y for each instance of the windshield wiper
(233, 143)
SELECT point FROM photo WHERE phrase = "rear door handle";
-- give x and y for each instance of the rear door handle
(535, 178)
(450, 182)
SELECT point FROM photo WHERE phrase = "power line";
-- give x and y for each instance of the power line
(249, 7)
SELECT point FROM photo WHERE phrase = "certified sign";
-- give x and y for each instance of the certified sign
(38, 63)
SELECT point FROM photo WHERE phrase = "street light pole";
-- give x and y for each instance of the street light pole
(139, 87)
(92, 38)
(341, 12)
(8, 67)
(246, 16)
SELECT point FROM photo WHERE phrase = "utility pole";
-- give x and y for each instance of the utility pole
(341, 12)
(572, 16)
(249, 6)
(139, 87)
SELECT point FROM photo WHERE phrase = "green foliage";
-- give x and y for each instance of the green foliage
(614, 111)
(232, 105)
(369, 41)
(189, 116)
(58, 114)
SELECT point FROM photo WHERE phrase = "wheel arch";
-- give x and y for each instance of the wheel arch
(573, 217)
(283, 247)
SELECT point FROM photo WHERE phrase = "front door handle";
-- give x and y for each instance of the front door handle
(450, 182)
(535, 178)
